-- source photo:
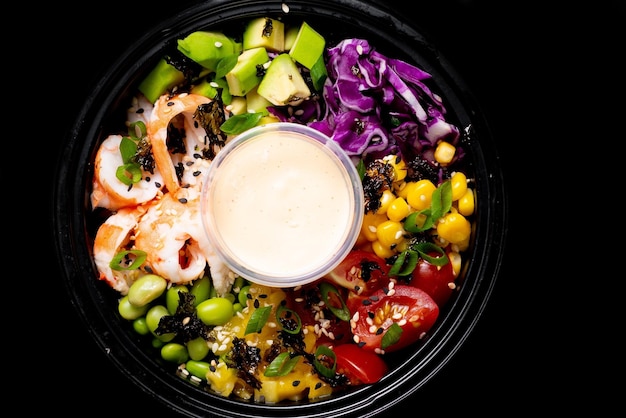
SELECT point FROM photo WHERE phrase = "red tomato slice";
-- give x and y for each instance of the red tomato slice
(306, 301)
(434, 280)
(412, 309)
(362, 273)
(360, 366)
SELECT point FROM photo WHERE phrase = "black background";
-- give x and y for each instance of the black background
(529, 68)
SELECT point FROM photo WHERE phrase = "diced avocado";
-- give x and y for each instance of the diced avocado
(267, 119)
(291, 33)
(245, 75)
(283, 84)
(208, 48)
(319, 73)
(265, 32)
(257, 103)
(163, 76)
(209, 88)
(308, 46)
(238, 105)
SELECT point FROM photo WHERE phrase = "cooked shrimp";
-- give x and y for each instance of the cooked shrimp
(108, 191)
(170, 233)
(165, 109)
(114, 235)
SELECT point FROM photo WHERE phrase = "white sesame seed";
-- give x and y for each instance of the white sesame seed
(218, 44)
(359, 49)
(373, 329)
(391, 292)
(372, 228)
(285, 8)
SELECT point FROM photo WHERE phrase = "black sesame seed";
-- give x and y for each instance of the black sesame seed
(295, 382)
(367, 302)
(171, 103)
(196, 155)
(379, 331)
(196, 173)
(374, 298)
(318, 385)
(157, 184)
(182, 200)
(189, 163)
(212, 368)
(386, 290)
(256, 303)
(140, 110)
(263, 296)
(361, 343)
(148, 179)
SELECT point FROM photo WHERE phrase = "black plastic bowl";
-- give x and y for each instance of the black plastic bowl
(75, 227)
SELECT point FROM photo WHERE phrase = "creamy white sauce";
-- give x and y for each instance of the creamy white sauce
(282, 204)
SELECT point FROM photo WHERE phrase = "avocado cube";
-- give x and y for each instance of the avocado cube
(308, 46)
(246, 74)
(208, 48)
(257, 103)
(265, 32)
(283, 83)
(208, 88)
(319, 73)
(291, 33)
(163, 77)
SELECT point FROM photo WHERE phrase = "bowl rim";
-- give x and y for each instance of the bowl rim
(70, 226)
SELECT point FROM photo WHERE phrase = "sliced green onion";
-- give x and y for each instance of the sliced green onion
(342, 312)
(425, 248)
(121, 260)
(258, 319)
(411, 222)
(405, 263)
(392, 335)
(285, 315)
(128, 149)
(441, 201)
(129, 173)
(322, 356)
(225, 65)
(137, 130)
(281, 365)
(239, 123)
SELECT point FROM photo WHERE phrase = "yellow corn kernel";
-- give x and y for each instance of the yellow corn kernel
(454, 228)
(385, 200)
(459, 185)
(456, 260)
(420, 195)
(398, 209)
(390, 233)
(399, 167)
(382, 251)
(370, 224)
(444, 153)
(402, 189)
(466, 203)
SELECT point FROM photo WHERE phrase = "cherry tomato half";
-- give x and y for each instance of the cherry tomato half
(434, 280)
(412, 310)
(359, 365)
(362, 273)
(308, 303)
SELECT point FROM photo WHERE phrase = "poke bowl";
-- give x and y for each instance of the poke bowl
(205, 339)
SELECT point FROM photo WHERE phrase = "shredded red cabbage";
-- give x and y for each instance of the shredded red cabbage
(375, 106)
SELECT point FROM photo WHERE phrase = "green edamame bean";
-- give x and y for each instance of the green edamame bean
(174, 352)
(198, 368)
(172, 298)
(242, 297)
(198, 348)
(146, 289)
(129, 311)
(153, 316)
(215, 311)
(141, 326)
(201, 289)
(239, 283)
(237, 307)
